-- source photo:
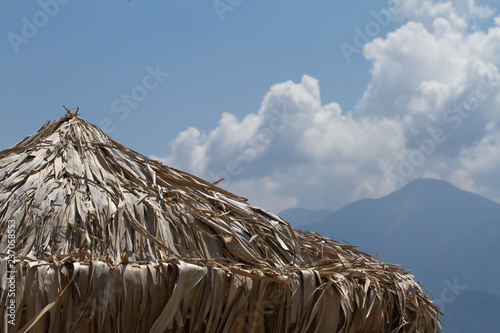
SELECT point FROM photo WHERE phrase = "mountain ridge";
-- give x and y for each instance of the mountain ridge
(447, 237)
(419, 225)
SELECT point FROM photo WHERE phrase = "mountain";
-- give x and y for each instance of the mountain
(473, 311)
(300, 217)
(447, 237)
(442, 234)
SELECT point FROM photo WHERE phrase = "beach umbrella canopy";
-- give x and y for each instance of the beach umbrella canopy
(98, 238)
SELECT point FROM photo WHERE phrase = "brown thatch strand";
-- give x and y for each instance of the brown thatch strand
(108, 240)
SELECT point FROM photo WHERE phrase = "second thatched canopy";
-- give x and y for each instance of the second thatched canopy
(107, 240)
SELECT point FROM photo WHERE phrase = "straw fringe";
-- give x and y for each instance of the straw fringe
(178, 296)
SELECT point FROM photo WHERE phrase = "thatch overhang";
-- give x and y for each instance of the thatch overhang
(107, 240)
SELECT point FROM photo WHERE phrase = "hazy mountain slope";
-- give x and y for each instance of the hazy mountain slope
(431, 227)
(300, 217)
(473, 311)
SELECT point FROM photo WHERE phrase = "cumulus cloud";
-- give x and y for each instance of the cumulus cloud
(479, 165)
(430, 110)
(291, 147)
(460, 14)
(441, 79)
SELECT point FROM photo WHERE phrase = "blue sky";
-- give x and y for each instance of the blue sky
(263, 94)
(91, 52)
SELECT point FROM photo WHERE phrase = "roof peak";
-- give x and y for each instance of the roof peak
(72, 114)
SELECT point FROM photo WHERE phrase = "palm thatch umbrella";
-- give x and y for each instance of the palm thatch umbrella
(107, 240)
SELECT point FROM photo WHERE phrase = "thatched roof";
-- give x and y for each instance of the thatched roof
(107, 240)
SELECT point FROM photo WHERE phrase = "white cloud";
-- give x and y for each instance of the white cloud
(429, 76)
(430, 110)
(459, 13)
(483, 157)
(427, 11)
(292, 147)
